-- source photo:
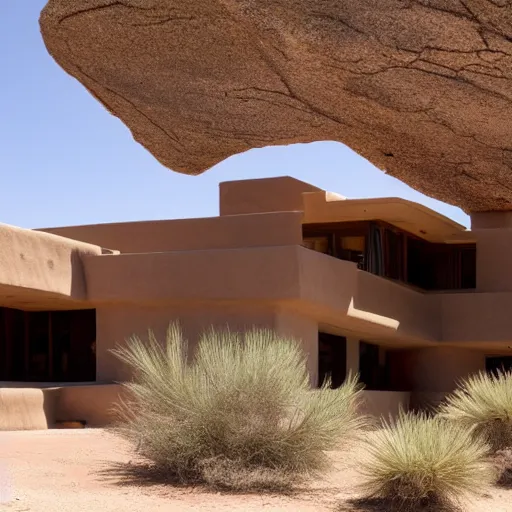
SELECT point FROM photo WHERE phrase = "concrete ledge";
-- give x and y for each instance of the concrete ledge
(92, 403)
(42, 263)
(39, 409)
(27, 409)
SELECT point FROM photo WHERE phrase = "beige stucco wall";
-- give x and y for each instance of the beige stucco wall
(438, 369)
(263, 195)
(331, 291)
(483, 319)
(339, 294)
(94, 404)
(352, 356)
(39, 409)
(116, 324)
(326, 282)
(266, 229)
(304, 329)
(39, 269)
(491, 220)
(78, 399)
(384, 404)
(76, 403)
(493, 261)
(263, 274)
(417, 314)
(246, 268)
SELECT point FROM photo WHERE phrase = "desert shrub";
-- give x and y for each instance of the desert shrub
(483, 402)
(419, 460)
(239, 414)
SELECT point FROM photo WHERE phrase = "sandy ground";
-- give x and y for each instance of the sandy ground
(75, 470)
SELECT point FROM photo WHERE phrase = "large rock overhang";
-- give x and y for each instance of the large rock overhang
(421, 88)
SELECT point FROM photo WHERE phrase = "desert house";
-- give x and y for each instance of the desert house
(385, 287)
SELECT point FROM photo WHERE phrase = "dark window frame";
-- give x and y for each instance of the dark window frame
(422, 264)
(31, 351)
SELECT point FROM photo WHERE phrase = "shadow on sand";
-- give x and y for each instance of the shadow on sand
(381, 505)
(144, 474)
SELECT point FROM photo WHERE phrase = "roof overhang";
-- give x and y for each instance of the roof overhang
(414, 218)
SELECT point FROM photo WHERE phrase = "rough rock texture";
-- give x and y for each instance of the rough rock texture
(421, 88)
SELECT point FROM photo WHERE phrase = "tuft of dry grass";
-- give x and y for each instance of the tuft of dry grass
(483, 402)
(239, 415)
(420, 462)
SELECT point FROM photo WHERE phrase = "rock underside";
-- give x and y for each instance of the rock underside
(421, 88)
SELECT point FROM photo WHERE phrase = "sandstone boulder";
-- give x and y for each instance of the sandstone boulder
(421, 88)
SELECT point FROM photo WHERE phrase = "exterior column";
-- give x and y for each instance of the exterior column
(305, 330)
(493, 233)
(352, 356)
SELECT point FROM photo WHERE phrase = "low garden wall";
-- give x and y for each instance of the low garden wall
(27, 408)
(37, 409)
(92, 403)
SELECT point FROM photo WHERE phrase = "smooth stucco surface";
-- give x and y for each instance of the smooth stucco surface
(384, 404)
(40, 269)
(116, 324)
(263, 195)
(320, 207)
(95, 404)
(280, 228)
(436, 369)
(27, 409)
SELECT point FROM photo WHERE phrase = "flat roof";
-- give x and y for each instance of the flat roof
(407, 215)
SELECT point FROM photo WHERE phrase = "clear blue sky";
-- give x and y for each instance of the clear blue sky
(66, 161)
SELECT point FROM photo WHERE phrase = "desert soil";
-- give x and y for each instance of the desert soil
(78, 470)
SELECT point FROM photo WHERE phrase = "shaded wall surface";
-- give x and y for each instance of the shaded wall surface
(434, 369)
